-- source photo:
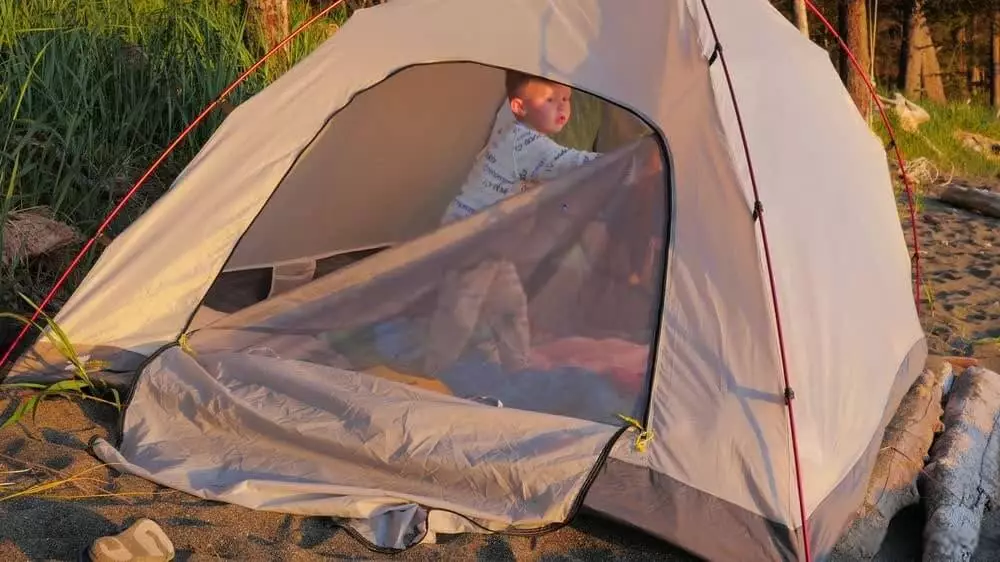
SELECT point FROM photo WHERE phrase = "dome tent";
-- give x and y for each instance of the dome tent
(285, 404)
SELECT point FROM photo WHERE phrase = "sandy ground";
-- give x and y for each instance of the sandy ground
(961, 265)
(960, 255)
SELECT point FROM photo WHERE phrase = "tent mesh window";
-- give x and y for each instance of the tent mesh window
(547, 301)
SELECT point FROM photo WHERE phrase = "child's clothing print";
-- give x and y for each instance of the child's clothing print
(514, 154)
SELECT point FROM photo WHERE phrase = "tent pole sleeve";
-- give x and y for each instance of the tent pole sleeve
(759, 216)
(149, 172)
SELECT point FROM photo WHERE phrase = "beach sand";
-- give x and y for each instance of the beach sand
(962, 268)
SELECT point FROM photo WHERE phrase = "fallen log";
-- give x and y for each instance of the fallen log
(979, 200)
(964, 473)
(893, 483)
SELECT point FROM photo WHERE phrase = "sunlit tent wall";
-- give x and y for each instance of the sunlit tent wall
(299, 260)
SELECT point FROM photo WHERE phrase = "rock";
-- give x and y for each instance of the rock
(34, 232)
(990, 148)
(911, 115)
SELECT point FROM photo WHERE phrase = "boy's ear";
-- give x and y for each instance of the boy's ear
(517, 106)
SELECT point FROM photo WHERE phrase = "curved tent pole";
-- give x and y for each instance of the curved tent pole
(907, 184)
(149, 172)
(758, 215)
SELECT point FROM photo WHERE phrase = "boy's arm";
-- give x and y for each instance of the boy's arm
(540, 158)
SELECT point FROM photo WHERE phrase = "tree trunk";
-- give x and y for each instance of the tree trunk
(914, 59)
(801, 16)
(923, 73)
(970, 55)
(995, 60)
(976, 72)
(855, 25)
(906, 19)
(267, 24)
(962, 60)
(930, 73)
(843, 61)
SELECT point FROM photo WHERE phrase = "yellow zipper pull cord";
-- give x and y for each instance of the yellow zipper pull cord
(644, 435)
(185, 345)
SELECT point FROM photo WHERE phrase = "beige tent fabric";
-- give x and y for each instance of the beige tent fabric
(382, 169)
(842, 268)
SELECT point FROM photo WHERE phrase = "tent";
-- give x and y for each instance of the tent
(278, 304)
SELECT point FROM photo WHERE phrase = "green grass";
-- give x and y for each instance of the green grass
(78, 384)
(91, 91)
(935, 140)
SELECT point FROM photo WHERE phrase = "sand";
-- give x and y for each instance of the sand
(962, 268)
(960, 254)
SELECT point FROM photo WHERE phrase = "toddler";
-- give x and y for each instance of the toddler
(487, 302)
(519, 152)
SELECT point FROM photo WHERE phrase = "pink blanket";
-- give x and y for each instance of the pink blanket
(625, 362)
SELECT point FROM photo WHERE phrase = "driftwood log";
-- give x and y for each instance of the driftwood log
(978, 200)
(964, 473)
(893, 483)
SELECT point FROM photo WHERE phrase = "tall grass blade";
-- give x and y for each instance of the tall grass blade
(24, 89)
(65, 345)
(15, 417)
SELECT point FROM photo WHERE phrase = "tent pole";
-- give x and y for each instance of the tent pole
(149, 172)
(907, 184)
(758, 214)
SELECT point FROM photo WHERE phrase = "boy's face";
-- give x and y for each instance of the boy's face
(543, 106)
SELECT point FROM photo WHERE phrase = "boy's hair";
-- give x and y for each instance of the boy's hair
(517, 80)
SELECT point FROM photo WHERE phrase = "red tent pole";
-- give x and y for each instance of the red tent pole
(895, 145)
(758, 213)
(156, 164)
